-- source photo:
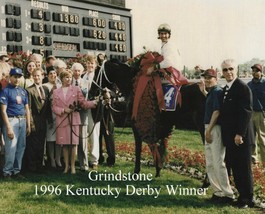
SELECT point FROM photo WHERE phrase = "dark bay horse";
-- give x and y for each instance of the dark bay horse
(192, 104)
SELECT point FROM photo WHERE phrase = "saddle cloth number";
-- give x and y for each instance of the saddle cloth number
(170, 97)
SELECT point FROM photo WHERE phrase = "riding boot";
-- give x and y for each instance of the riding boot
(66, 158)
(73, 154)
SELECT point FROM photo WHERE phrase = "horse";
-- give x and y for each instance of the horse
(192, 104)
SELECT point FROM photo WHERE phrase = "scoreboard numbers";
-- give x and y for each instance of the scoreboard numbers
(65, 28)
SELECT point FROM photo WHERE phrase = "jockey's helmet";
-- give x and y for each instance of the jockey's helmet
(164, 28)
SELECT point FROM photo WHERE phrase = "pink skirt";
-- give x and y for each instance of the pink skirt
(67, 135)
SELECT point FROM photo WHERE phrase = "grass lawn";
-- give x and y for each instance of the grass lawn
(54, 192)
(182, 138)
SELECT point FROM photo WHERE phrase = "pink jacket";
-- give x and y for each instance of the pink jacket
(59, 103)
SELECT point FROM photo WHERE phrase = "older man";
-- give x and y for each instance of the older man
(237, 131)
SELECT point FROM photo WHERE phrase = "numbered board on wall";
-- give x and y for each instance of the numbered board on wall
(65, 28)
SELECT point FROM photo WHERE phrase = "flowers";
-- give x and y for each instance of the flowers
(80, 58)
(19, 59)
(145, 59)
(189, 163)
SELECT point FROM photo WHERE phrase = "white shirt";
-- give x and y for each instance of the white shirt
(58, 83)
(171, 56)
(86, 83)
(229, 84)
(78, 82)
(87, 80)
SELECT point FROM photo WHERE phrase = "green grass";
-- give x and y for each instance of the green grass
(19, 196)
(182, 138)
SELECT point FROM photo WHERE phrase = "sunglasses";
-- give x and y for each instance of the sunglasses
(228, 69)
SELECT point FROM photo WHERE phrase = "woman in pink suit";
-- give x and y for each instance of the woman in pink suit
(65, 101)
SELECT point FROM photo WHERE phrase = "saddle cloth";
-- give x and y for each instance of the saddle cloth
(170, 96)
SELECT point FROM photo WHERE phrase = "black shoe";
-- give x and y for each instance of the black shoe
(244, 205)
(216, 199)
(101, 160)
(251, 204)
(205, 183)
(110, 163)
(227, 200)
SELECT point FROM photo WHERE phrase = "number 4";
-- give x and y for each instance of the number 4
(168, 95)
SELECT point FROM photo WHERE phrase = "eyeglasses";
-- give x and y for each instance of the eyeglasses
(228, 69)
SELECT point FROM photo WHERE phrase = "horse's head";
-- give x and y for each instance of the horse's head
(120, 74)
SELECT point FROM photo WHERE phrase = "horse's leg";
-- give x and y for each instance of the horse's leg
(165, 152)
(138, 150)
(159, 159)
(162, 155)
(155, 150)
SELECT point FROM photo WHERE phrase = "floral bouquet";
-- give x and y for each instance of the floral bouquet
(145, 59)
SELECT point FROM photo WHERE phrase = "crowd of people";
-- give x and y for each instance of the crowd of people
(53, 107)
(46, 115)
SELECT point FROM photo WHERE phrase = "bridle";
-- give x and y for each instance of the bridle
(102, 73)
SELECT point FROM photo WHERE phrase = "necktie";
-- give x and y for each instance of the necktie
(226, 88)
(42, 95)
(76, 83)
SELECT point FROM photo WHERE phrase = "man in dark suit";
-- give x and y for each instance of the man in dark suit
(39, 110)
(237, 131)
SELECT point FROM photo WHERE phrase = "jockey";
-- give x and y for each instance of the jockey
(171, 57)
(170, 54)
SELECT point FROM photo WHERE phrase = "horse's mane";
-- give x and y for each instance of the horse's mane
(120, 73)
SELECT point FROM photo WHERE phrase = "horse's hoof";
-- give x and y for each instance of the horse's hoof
(136, 171)
(157, 175)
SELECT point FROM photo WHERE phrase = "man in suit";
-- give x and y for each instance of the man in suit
(82, 149)
(106, 124)
(39, 111)
(237, 131)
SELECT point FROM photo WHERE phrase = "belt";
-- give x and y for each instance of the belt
(18, 116)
